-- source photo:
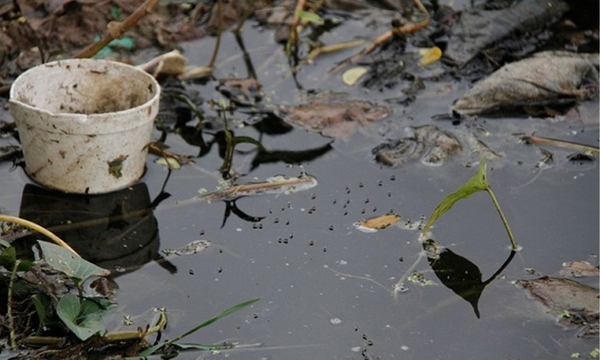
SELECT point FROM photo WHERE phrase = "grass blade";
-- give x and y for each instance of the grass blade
(220, 315)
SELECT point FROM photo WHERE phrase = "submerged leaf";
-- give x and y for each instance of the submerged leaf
(570, 302)
(65, 261)
(334, 119)
(476, 183)
(427, 143)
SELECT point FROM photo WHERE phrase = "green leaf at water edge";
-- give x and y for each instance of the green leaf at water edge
(84, 317)
(477, 183)
(65, 261)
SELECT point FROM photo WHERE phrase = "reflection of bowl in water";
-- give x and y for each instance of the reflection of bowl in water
(112, 230)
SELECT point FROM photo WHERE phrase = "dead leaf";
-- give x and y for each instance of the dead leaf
(377, 223)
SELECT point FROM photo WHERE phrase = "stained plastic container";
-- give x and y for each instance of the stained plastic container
(84, 124)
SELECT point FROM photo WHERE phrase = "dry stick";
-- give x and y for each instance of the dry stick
(405, 29)
(38, 228)
(116, 29)
(219, 31)
(559, 143)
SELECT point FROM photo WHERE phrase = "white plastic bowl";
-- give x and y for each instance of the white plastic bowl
(84, 124)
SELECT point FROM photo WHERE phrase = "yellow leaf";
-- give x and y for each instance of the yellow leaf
(431, 55)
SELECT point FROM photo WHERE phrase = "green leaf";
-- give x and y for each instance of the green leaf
(73, 266)
(8, 257)
(83, 317)
(477, 183)
(247, 139)
(149, 351)
(310, 16)
(42, 304)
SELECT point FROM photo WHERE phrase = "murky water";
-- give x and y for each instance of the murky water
(325, 287)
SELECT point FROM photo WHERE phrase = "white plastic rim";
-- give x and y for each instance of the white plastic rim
(84, 124)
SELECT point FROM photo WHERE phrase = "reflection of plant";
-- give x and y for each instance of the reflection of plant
(45, 304)
(477, 183)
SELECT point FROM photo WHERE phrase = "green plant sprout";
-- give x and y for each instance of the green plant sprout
(476, 183)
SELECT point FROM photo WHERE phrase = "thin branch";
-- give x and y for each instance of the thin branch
(116, 29)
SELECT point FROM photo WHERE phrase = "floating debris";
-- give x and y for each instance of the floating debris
(272, 186)
(192, 248)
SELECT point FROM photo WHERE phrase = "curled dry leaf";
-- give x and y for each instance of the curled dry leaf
(171, 63)
(378, 223)
(544, 79)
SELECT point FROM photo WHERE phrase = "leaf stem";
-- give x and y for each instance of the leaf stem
(35, 227)
(219, 32)
(504, 221)
(10, 317)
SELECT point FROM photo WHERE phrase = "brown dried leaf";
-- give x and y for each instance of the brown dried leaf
(378, 223)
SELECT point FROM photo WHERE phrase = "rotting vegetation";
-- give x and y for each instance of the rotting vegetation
(421, 26)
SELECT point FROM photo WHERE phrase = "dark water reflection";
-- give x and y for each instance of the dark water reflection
(459, 274)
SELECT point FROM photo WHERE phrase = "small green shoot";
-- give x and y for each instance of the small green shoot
(151, 350)
(311, 16)
(476, 183)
